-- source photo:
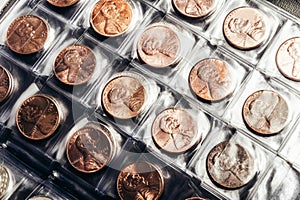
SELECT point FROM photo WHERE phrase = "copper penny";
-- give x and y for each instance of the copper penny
(6, 84)
(245, 28)
(111, 17)
(288, 58)
(159, 46)
(27, 34)
(5, 181)
(90, 149)
(75, 65)
(123, 97)
(62, 3)
(230, 165)
(195, 198)
(174, 130)
(211, 80)
(194, 8)
(140, 180)
(265, 112)
(38, 117)
(40, 198)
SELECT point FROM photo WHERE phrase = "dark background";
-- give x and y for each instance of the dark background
(292, 6)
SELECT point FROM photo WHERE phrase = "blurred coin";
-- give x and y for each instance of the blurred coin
(123, 97)
(6, 84)
(111, 17)
(174, 130)
(140, 180)
(5, 181)
(230, 165)
(195, 198)
(38, 117)
(90, 149)
(75, 65)
(62, 3)
(194, 8)
(211, 79)
(27, 34)
(40, 198)
(159, 46)
(265, 112)
(245, 28)
(288, 58)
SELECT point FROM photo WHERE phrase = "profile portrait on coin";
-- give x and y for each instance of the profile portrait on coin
(62, 3)
(111, 17)
(194, 8)
(245, 28)
(123, 97)
(27, 34)
(174, 130)
(6, 84)
(265, 112)
(211, 79)
(230, 165)
(138, 183)
(90, 149)
(294, 52)
(159, 46)
(38, 117)
(75, 65)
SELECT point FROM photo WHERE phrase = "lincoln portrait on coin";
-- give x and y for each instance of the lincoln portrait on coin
(294, 52)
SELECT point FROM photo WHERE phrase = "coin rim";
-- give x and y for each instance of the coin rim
(241, 47)
(18, 18)
(62, 6)
(104, 34)
(64, 51)
(40, 196)
(161, 190)
(277, 62)
(11, 84)
(195, 142)
(107, 134)
(59, 118)
(256, 130)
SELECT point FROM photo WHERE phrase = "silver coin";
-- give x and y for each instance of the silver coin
(4, 180)
(40, 198)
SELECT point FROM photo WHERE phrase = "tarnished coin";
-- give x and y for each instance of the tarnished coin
(38, 117)
(265, 112)
(62, 3)
(27, 34)
(230, 165)
(75, 65)
(90, 149)
(111, 17)
(245, 28)
(6, 84)
(174, 130)
(140, 180)
(194, 8)
(40, 198)
(195, 198)
(211, 79)
(288, 58)
(4, 180)
(123, 97)
(159, 46)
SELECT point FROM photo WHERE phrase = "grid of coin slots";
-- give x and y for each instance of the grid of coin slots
(140, 99)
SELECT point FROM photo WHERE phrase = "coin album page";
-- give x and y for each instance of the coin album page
(149, 99)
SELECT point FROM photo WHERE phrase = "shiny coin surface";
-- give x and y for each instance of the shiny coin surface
(194, 8)
(140, 180)
(27, 34)
(174, 130)
(38, 117)
(265, 112)
(62, 3)
(245, 28)
(159, 46)
(111, 17)
(40, 198)
(195, 198)
(123, 97)
(288, 58)
(230, 165)
(4, 181)
(75, 65)
(6, 84)
(211, 79)
(90, 149)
